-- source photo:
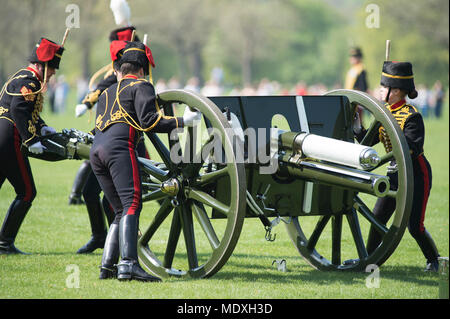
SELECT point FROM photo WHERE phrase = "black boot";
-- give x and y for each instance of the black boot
(78, 184)
(13, 219)
(108, 210)
(98, 227)
(129, 267)
(110, 257)
(429, 250)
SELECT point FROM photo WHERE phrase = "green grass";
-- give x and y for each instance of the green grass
(53, 231)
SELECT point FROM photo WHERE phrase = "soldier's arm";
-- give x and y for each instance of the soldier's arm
(150, 117)
(92, 97)
(414, 131)
(25, 112)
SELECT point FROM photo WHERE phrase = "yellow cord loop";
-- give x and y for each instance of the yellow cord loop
(14, 77)
(125, 113)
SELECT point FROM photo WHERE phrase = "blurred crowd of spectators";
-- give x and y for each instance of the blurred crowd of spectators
(429, 101)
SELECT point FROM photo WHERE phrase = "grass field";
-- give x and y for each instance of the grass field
(53, 231)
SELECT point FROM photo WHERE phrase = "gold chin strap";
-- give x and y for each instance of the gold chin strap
(43, 84)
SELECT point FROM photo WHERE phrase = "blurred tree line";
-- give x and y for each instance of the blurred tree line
(284, 40)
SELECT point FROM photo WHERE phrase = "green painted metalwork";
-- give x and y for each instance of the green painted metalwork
(205, 197)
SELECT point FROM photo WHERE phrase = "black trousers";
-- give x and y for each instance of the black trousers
(114, 162)
(14, 165)
(385, 207)
(92, 188)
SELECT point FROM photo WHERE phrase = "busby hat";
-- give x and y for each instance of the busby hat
(116, 50)
(138, 53)
(123, 34)
(47, 51)
(356, 52)
(398, 75)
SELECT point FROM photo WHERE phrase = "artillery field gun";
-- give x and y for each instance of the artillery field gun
(289, 159)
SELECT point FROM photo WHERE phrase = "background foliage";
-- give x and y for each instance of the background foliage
(284, 40)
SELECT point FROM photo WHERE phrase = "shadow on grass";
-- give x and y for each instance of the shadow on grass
(305, 273)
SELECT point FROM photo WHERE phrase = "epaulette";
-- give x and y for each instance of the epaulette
(403, 113)
(30, 85)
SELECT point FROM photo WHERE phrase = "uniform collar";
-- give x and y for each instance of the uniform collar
(130, 76)
(398, 105)
(35, 72)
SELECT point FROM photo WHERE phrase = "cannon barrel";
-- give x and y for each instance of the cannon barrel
(300, 159)
(329, 150)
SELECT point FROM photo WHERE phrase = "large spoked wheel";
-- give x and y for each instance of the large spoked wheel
(185, 185)
(314, 244)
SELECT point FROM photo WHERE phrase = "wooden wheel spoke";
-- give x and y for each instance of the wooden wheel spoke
(174, 235)
(336, 235)
(392, 193)
(355, 229)
(202, 176)
(211, 177)
(367, 214)
(208, 200)
(371, 133)
(187, 224)
(162, 150)
(318, 231)
(159, 218)
(190, 144)
(202, 218)
(200, 156)
(154, 195)
(154, 171)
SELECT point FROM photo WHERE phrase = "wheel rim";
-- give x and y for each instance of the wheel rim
(391, 234)
(196, 201)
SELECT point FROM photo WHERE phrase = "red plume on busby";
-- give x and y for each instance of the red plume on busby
(47, 51)
(123, 34)
(115, 49)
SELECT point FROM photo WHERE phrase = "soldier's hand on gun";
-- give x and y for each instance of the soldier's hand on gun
(47, 130)
(191, 117)
(357, 127)
(37, 148)
(80, 109)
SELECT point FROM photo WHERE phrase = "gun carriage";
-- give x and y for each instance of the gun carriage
(311, 169)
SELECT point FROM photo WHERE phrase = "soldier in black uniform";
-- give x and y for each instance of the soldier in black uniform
(121, 34)
(397, 82)
(21, 102)
(91, 98)
(86, 183)
(124, 111)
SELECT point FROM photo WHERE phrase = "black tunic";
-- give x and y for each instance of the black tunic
(20, 125)
(21, 104)
(124, 111)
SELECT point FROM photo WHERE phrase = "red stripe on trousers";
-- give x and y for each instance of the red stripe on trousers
(137, 189)
(22, 166)
(426, 184)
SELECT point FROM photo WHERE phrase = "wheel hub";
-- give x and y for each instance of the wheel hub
(171, 187)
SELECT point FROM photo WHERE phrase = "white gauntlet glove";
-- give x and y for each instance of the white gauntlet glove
(190, 118)
(80, 109)
(37, 148)
(47, 130)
